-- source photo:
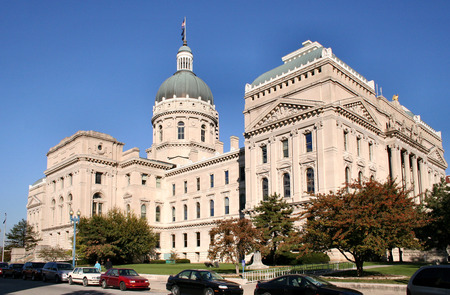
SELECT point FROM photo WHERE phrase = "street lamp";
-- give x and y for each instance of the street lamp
(75, 220)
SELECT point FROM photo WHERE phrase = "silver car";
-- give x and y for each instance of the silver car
(85, 276)
(56, 271)
(434, 279)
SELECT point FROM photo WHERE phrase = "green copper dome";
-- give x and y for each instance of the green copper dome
(182, 84)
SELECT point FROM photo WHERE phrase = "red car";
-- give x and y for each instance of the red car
(124, 278)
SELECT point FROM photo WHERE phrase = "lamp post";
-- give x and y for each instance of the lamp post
(75, 220)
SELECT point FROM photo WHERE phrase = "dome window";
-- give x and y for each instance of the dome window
(180, 130)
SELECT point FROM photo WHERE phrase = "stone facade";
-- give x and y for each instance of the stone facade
(310, 125)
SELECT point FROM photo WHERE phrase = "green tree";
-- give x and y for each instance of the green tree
(232, 240)
(22, 235)
(54, 253)
(362, 220)
(436, 233)
(122, 238)
(274, 219)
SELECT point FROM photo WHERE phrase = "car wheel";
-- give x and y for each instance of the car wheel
(70, 281)
(266, 293)
(208, 291)
(176, 290)
(85, 282)
(104, 285)
(122, 286)
(57, 280)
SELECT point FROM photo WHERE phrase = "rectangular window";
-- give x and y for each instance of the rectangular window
(62, 182)
(264, 154)
(144, 178)
(70, 179)
(158, 239)
(158, 181)
(285, 144)
(211, 180)
(242, 173)
(358, 146)
(173, 189)
(345, 141)
(185, 240)
(370, 151)
(308, 142)
(227, 178)
(198, 239)
(173, 241)
(185, 187)
(98, 177)
(198, 183)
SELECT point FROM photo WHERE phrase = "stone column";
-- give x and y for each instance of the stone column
(415, 180)
(407, 168)
(396, 163)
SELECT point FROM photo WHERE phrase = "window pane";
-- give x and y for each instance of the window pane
(308, 140)
(287, 185)
(310, 180)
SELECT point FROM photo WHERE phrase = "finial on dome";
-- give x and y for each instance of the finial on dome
(183, 32)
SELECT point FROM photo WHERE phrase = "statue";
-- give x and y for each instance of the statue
(257, 262)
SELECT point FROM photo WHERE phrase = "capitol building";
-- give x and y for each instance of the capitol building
(311, 124)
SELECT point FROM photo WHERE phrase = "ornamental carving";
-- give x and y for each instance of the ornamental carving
(281, 111)
(359, 108)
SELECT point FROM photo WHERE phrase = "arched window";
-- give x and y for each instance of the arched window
(185, 211)
(287, 185)
(227, 205)
(198, 209)
(158, 214)
(310, 181)
(360, 177)
(211, 207)
(128, 209)
(173, 213)
(265, 188)
(70, 197)
(53, 210)
(61, 209)
(160, 132)
(143, 211)
(97, 205)
(180, 130)
(203, 133)
(347, 175)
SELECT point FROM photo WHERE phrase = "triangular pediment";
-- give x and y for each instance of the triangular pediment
(360, 108)
(33, 202)
(436, 155)
(281, 110)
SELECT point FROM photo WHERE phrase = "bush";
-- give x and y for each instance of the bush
(182, 261)
(157, 261)
(313, 258)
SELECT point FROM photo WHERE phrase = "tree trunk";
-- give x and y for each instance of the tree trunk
(400, 255)
(236, 265)
(359, 267)
(390, 256)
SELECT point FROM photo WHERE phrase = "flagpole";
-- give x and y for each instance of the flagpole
(3, 243)
(185, 30)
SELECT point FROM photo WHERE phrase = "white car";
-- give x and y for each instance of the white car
(85, 275)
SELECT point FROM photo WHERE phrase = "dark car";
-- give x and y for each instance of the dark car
(124, 278)
(56, 271)
(14, 270)
(201, 282)
(433, 279)
(3, 265)
(32, 270)
(300, 285)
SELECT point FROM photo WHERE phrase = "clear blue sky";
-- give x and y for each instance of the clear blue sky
(97, 65)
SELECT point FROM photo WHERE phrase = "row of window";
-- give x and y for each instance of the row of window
(181, 132)
(198, 183)
(61, 181)
(185, 240)
(358, 146)
(285, 147)
(287, 184)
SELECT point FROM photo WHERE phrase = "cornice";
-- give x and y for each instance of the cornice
(209, 162)
(357, 119)
(184, 144)
(209, 222)
(170, 112)
(146, 163)
(80, 158)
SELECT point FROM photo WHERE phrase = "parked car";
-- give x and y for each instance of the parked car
(124, 278)
(433, 279)
(201, 282)
(3, 265)
(85, 276)
(56, 271)
(32, 270)
(300, 285)
(14, 270)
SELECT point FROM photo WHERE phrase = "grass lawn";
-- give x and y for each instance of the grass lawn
(173, 269)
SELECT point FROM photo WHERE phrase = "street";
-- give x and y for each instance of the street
(157, 285)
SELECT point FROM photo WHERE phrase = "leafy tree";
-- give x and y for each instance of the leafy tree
(274, 218)
(233, 239)
(22, 235)
(122, 238)
(54, 253)
(363, 220)
(436, 233)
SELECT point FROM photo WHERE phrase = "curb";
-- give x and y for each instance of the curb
(371, 286)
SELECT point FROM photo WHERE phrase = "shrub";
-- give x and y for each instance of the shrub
(157, 261)
(313, 258)
(182, 261)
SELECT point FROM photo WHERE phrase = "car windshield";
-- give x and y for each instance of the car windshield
(17, 265)
(128, 272)
(90, 270)
(3, 264)
(210, 276)
(318, 281)
(65, 267)
(38, 265)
